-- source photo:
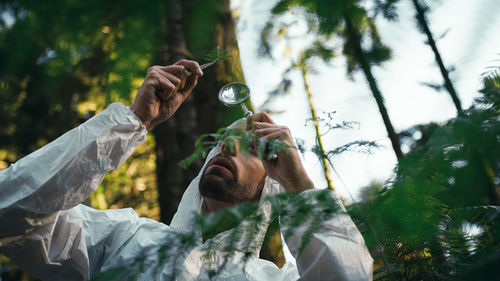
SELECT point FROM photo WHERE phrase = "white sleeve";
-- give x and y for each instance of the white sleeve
(34, 232)
(336, 252)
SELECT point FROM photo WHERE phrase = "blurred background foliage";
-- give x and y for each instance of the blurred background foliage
(63, 61)
(437, 218)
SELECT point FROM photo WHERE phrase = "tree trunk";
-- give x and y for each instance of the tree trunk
(355, 40)
(422, 22)
(201, 112)
(324, 162)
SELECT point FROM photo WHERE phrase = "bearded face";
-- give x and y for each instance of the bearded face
(233, 178)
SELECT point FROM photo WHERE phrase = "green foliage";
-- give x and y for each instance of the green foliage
(61, 63)
(387, 8)
(230, 138)
(264, 49)
(318, 49)
(419, 225)
(361, 146)
(349, 21)
(326, 14)
(421, 10)
(64, 61)
(491, 90)
(327, 121)
(217, 54)
(247, 223)
(306, 210)
(334, 18)
(421, 14)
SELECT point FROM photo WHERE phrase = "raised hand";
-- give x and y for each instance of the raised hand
(164, 90)
(287, 168)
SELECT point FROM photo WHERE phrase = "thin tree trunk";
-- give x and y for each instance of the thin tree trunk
(422, 22)
(201, 112)
(324, 162)
(178, 135)
(355, 39)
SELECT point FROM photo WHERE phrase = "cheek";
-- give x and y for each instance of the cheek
(260, 178)
(256, 170)
(259, 169)
(252, 169)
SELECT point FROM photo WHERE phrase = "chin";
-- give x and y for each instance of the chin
(211, 186)
(215, 187)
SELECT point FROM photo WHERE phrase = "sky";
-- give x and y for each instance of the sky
(470, 44)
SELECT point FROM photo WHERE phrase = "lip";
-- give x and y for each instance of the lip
(222, 163)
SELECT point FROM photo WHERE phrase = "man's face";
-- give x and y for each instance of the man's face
(233, 177)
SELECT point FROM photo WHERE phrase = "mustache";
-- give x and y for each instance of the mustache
(225, 161)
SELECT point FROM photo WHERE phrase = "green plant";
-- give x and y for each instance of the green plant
(231, 138)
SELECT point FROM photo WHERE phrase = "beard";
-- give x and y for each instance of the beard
(217, 188)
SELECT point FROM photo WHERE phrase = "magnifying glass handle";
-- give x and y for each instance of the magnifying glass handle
(246, 111)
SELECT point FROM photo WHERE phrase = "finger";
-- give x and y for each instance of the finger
(192, 66)
(158, 84)
(178, 71)
(191, 82)
(262, 117)
(180, 96)
(280, 132)
(260, 125)
(258, 117)
(276, 136)
(266, 131)
(162, 86)
(178, 83)
(159, 72)
(268, 154)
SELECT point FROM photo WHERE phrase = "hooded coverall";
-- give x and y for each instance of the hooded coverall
(46, 230)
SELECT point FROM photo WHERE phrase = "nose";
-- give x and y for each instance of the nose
(231, 145)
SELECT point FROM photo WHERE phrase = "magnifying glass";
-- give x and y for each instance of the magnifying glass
(235, 93)
(238, 93)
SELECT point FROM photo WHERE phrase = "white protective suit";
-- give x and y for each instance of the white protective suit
(46, 230)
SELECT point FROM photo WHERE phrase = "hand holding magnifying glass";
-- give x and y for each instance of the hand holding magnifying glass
(238, 93)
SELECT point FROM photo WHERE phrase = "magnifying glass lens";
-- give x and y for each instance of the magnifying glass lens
(235, 93)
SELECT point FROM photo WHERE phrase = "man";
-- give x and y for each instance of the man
(48, 233)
